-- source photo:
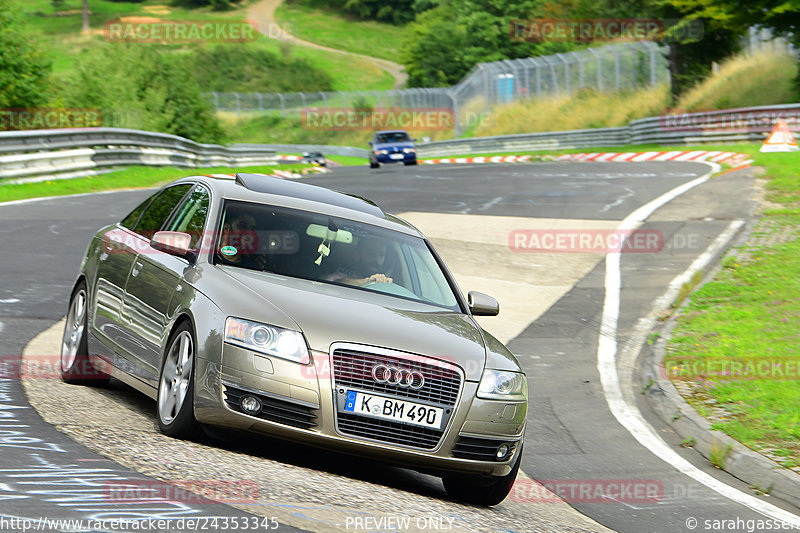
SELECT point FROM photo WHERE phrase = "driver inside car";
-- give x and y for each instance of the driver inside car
(371, 267)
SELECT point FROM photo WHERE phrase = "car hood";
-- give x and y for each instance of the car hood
(328, 313)
(386, 146)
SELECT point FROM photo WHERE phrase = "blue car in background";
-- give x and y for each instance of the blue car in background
(392, 146)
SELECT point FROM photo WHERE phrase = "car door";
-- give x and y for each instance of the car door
(136, 327)
(116, 251)
(153, 280)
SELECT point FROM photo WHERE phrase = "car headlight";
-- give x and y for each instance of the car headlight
(270, 340)
(384, 152)
(409, 150)
(503, 385)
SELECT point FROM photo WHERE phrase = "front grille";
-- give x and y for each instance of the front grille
(354, 369)
(476, 449)
(273, 409)
(388, 431)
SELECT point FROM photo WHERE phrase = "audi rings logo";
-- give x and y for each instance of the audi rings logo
(392, 375)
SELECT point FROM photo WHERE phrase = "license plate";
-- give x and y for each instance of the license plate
(361, 403)
(396, 156)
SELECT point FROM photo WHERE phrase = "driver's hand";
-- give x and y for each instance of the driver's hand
(379, 278)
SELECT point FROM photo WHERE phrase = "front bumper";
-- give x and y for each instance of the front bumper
(303, 409)
(386, 158)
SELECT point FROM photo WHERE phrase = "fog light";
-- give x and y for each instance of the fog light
(503, 451)
(251, 405)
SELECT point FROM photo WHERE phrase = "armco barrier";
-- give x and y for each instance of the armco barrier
(65, 153)
(42, 154)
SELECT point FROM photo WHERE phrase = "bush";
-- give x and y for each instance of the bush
(24, 69)
(136, 87)
(242, 68)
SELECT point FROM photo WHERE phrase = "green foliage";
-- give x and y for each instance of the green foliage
(218, 5)
(136, 87)
(242, 68)
(443, 44)
(396, 12)
(24, 69)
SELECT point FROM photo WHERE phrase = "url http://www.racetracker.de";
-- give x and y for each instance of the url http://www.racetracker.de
(182, 525)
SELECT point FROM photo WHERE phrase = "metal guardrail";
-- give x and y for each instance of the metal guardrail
(748, 124)
(44, 154)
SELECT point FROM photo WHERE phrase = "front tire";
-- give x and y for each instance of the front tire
(374, 165)
(175, 403)
(481, 490)
(76, 367)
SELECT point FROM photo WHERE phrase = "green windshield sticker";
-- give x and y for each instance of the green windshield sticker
(228, 250)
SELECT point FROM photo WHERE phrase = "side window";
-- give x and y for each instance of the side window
(191, 217)
(157, 212)
(130, 220)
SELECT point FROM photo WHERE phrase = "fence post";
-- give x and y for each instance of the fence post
(599, 70)
(283, 105)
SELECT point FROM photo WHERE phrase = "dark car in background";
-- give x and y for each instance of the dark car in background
(314, 157)
(392, 146)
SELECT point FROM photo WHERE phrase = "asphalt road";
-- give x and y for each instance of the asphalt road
(572, 435)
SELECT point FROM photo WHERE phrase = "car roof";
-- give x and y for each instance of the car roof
(391, 131)
(274, 190)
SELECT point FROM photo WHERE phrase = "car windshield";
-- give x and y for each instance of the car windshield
(393, 137)
(334, 250)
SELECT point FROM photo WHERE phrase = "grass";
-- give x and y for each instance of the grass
(272, 129)
(751, 312)
(328, 27)
(126, 178)
(743, 81)
(347, 73)
(585, 109)
(61, 38)
(718, 454)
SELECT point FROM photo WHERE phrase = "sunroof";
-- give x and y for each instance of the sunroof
(304, 191)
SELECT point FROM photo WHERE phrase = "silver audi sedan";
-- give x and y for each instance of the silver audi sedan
(278, 307)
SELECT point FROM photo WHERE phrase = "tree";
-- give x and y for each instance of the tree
(725, 23)
(137, 87)
(85, 17)
(24, 69)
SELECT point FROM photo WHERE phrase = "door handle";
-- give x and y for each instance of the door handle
(137, 267)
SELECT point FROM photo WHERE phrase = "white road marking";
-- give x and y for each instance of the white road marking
(627, 413)
(9, 301)
(490, 203)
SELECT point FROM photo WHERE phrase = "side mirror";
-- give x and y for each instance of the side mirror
(482, 304)
(370, 143)
(414, 140)
(172, 242)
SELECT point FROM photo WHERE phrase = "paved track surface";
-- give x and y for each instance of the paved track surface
(572, 435)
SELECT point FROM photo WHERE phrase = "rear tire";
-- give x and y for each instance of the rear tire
(175, 404)
(76, 367)
(481, 490)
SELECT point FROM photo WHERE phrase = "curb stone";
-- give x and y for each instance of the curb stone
(741, 462)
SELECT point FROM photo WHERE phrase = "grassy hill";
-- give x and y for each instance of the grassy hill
(59, 32)
(326, 26)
